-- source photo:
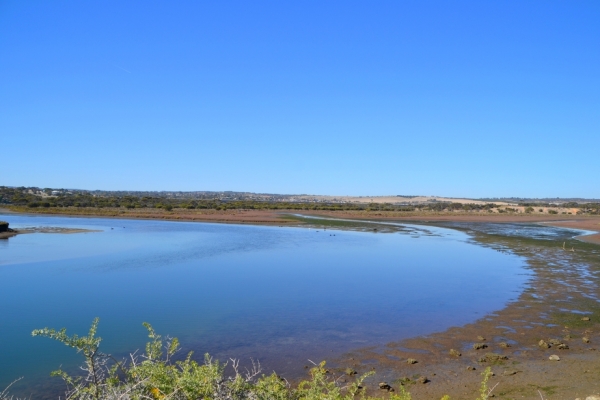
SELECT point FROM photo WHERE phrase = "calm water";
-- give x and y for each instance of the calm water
(281, 295)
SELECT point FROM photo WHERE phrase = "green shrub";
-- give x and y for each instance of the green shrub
(155, 375)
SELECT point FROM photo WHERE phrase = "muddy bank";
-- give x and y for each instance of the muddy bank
(255, 217)
(590, 224)
(281, 217)
(560, 306)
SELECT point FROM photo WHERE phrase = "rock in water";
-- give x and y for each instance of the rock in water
(384, 386)
(3, 226)
(491, 357)
(585, 339)
(542, 343)
(504, 345)
(422, 379)
(411, 361)
(479, 346)
(455, 353)
(554, 357)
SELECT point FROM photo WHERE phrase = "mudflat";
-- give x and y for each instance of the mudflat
(590, 223)
(556, 317)
(558, 314)
(279, 217)
(44, 229)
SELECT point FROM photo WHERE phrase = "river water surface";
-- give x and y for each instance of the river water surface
(280, 295)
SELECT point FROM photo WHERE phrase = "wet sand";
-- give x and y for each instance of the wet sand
(587, 224)
(278, 217)
(258, 217)
(563, 290)
(6, 235)
(43, 229)
(590, 223)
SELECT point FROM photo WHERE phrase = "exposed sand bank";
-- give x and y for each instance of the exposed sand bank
(278, 217)
(563, 289)
(590, 223)
(587, 224)
(6, 235)
(43, 229)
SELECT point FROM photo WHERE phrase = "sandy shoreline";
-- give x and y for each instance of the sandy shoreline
(589, 223)
(562, 286)
(278, 217)
(563, 289)
(43, 229)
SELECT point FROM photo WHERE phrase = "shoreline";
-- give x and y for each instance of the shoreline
(557, 284)
(549, 308)
(588, 223)
(278, 217)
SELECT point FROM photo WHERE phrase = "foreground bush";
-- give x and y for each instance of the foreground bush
(154, 375)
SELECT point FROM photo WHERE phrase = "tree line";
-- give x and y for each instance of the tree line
(49, 198)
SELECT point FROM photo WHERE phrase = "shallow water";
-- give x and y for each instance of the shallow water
(538, 231)
(281, 295)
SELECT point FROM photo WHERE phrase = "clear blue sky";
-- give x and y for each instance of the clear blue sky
(454, 98)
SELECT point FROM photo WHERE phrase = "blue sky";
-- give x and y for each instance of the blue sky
(448, 98)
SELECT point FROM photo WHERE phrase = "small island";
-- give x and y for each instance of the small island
(6, 232)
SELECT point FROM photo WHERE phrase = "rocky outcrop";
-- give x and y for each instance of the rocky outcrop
(542, 343)
(5, 231)
(455, 353)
